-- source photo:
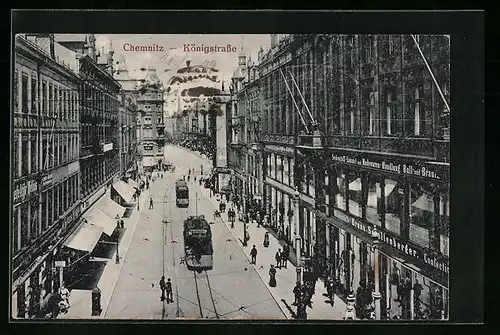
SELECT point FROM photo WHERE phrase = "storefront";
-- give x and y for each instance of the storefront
(409, 205)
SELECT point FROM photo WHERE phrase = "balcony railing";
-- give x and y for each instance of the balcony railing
(23, 120)
(278, 138)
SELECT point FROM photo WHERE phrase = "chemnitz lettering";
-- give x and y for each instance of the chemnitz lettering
(208, 48)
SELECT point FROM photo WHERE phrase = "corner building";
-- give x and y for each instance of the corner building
(378, 159)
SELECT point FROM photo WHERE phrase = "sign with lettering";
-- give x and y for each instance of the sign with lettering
(148, 147)
(59, 264)
(47, 180)
(107, 147)
(24, 190)
(395, 242)
(390, 166)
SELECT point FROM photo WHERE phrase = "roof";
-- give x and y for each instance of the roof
(196, 222)
(69, 37)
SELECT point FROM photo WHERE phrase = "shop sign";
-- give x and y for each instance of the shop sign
(24, 190)
(107, 147)
(390, 166)
(60, 264)
(395, 242)
(148, 147)
(360, 225)
(47, 180)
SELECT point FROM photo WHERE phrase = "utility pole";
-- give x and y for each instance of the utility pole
(297, 235)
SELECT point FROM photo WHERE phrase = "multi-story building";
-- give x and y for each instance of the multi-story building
(45, 165)
(356, 129)
(245, 157)
(99, 160)
(128, 117)
(150, 124)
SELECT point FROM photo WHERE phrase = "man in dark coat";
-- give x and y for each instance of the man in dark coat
(253, 253)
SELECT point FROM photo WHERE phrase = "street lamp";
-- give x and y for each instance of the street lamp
(297, 235)
(376, 294)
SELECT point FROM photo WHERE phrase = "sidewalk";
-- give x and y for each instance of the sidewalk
(81, 300)
(286, 278)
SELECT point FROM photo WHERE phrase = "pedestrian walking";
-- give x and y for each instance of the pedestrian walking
(117, 218)
(122, 224)
(170, 296)
(163, 287)
(301, 311)
(195, 179)
(278, 259)
(266, 239)
(253, 253)
(272, 276)
(284, 256)
(297, 291)
(151, 203)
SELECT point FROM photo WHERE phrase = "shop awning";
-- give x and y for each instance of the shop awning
(389, 187)
(355, 185)
(132, 183)
(100, 219)
(125, 191)
(85, 238)
(425, 203)
(110, 207)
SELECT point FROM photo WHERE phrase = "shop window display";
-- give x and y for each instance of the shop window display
(341, 194)
(355, 196)
(374, 202)
(421, 214)
(444, 211)
(392, 206)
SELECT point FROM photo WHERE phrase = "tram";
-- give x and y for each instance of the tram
(181, 194)
(198, 244)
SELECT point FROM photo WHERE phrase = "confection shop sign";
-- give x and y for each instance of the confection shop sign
(395, 242)
(387, 165)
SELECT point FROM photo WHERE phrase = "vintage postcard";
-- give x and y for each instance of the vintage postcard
(216, 177)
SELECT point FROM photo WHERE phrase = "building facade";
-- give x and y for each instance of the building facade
(45, 165)
(99, 156)
(150, 121)
(358, 126)
(128, 120)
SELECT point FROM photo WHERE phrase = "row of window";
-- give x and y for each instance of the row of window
(280, 168)
(54, 202)
(148, 120)
(56, 149)
(319, 87)
(382, 201)
(95, 172)
(98, 100)
(50, 98)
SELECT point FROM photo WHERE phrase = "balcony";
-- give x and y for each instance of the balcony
(279, 139)
(24, 120)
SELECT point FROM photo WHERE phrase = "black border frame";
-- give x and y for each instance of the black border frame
(467, 95)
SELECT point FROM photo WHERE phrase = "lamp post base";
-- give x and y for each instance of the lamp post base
(376, 298)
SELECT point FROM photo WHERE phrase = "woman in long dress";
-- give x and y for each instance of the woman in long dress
(272, 276)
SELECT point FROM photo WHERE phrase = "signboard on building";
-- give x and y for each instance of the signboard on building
(388, 165)
(224, 179)
(395, 242)
(47, 180)
(59, 264)
(25, 189)
(107, 147)
(148, 161)
(148, 147)
(221, 136)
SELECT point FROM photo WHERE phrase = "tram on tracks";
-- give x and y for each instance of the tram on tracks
(198, 244)
(181, 194)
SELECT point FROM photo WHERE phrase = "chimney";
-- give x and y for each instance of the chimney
(188, 62)
(274, 40)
